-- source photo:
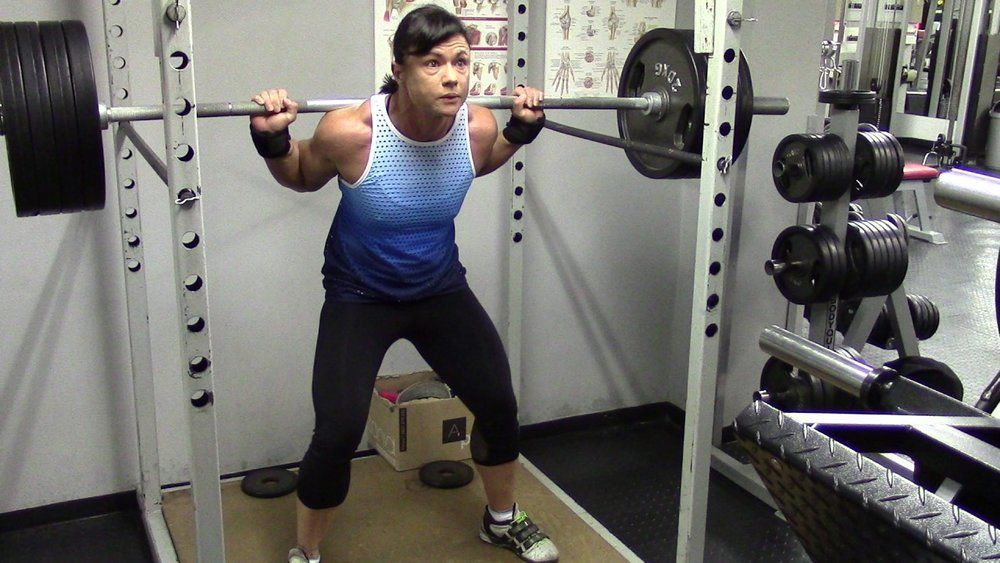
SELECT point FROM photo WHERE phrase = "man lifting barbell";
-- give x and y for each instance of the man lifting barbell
(405, 161)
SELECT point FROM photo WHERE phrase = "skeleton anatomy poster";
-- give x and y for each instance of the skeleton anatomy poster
(487, 24)
(587, 41)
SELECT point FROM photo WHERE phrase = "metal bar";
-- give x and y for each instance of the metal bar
(190, 274)
(688, 157)
(762, 105)
(517, 52)
(844, 373)
(765, 105)
(160, 544)
(973, 24)
(712, 240)
(940, 57)
(972, 194)
(136, 297)
(144, 149)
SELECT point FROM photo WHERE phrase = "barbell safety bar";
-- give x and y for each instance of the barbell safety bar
(650, 103)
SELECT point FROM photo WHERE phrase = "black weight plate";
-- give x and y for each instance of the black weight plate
(840, 167)
(885, 276)
(744, 108)
(43, 136)
(269, 483)
(929, 373)
(902, 262)
(875, 279)
(860, 252)
(797, 169)
(834, 261)
(866, 164)
(796, 244)
(898, 159)
(867, 128)
(67, 165)
(883, 179)
(663, 61)
(446, 474)
(17, 131)
(88, 116)
(895, 271)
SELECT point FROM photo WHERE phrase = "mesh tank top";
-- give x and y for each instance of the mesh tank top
(393, 236)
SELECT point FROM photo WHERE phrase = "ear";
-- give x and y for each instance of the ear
(397, 70)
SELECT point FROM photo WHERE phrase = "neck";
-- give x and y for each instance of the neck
(415, 122)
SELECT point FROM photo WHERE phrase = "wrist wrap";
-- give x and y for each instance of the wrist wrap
(519, 132)
(272, 145)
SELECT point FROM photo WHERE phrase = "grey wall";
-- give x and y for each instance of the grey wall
(607, 260)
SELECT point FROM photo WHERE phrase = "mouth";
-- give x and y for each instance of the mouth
(451, 97)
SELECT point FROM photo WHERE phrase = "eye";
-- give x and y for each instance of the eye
(432, 64)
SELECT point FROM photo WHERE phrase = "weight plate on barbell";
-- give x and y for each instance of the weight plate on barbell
(36, 94)
(17, 131)
(663, 61)
(67, 165)
(88, 114)
(744, 108)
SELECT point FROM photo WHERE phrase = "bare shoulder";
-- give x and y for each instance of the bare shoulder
(345, 128)
(482, 125)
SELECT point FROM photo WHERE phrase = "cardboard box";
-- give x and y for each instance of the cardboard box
(411, 434)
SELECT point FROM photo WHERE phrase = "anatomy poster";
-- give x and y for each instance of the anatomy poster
(587, 41)
(487, 24)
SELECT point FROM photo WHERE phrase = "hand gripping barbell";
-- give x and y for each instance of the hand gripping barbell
(52, 120)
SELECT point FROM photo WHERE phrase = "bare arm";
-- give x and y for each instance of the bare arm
(525, 109)
(308, 165)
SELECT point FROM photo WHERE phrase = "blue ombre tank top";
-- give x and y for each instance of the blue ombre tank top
(393, 236)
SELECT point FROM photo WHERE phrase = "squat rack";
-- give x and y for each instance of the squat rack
(717, 27)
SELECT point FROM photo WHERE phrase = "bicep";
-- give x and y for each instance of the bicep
(316, 163)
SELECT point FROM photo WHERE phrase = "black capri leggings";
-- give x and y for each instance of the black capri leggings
(457, 339)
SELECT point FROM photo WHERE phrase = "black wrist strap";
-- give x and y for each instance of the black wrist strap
(272, 145)
(519, 132)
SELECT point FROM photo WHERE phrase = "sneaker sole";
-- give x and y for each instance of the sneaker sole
(486, 538)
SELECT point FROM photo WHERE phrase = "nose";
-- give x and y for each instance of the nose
(450, 77)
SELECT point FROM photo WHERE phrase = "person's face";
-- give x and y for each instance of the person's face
(438, 82)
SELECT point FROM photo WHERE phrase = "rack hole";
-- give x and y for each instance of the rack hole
(179, 60)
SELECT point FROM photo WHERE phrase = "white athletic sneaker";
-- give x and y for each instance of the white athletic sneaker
(521, 536)
(298, 555)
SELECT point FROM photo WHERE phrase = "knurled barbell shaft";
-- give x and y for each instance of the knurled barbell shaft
(762, 105)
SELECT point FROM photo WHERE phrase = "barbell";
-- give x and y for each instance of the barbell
(52, 120)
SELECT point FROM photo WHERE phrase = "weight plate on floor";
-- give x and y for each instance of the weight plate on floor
(67, 165)
(88, 116)
(663, 61)
(269, 483)
(36, 94)
(17, 130)
(446, 474)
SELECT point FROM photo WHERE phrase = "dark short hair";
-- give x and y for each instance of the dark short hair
(418, 32)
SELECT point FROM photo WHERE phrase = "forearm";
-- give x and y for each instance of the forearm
(287, 170)
(502, 151)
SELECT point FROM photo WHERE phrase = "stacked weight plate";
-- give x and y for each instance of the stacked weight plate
(51, 118)
(878, 165)
(811, 168)
(878, 257)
